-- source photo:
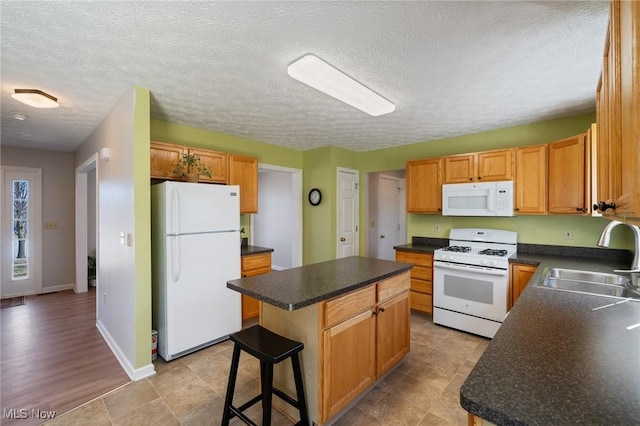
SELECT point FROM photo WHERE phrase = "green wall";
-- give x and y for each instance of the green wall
(142, 230)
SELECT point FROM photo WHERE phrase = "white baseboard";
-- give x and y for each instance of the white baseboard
(134, 374)
(54, 288)
(278, 268)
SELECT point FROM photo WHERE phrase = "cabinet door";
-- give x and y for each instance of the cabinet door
(215, 161)
(495, 165)
(392, 332)
(243, 171)
(346, 373)
(459, 168)
(531, 180)
(520, 275)
(568, 176)
(627, 196)
(164, 158)
(424, 186)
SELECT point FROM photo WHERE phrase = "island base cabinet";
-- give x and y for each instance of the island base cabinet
(349, 342)
(393, 332)
(347, 372)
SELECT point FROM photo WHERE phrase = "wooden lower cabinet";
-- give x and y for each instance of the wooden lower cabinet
(421, 295)
(350, 342)
(519, 276)
(348, 372)
(255, 264)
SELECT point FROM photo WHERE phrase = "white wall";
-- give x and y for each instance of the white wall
(116, 262)
(272, 225)
(58, 206)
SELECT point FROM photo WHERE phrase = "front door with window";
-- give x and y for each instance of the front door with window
(21, 235)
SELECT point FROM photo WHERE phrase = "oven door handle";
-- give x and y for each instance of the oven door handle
(470, 268)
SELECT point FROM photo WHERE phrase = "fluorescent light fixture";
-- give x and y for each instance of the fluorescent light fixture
(35, 98)
(318, 74)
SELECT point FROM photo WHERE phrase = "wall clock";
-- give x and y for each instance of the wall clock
(315, 196)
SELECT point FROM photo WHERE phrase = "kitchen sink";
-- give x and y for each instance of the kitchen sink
(589, 282)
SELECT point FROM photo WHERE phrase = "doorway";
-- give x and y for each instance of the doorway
(278, 223)
(22, 231)
(386, 213)
(86, 222)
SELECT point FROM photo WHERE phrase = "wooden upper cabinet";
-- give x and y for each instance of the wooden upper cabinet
(617, 114)
(484, 166)
(569, 176)
(215, 161)
(459, 168)
(531, 180)
(243, 171)
(164, 158)
(424, 186)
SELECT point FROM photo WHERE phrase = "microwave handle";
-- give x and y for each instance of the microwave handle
(492, 202)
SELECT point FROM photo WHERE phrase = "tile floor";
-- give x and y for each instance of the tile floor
(422, 390)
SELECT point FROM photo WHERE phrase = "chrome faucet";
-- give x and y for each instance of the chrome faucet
(605, 238)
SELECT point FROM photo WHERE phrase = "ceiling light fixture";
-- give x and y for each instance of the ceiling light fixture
(18, 115)
(35, 98)
(318, 74)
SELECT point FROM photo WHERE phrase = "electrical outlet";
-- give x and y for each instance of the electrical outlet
(436, 228)
(568, 234)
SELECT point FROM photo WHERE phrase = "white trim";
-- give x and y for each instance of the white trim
(90, 164)
(357, 212)
(296, 190)
(133, 373)
(61, 287)
(278, 268)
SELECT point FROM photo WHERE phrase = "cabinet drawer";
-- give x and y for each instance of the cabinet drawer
(422, 286)
(423, 259)
(422, 272)
(393, 286)
(421, 302)
(255, 261)
(256, 271)
(348, 306)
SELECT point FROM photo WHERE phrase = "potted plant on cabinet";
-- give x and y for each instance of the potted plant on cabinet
(92, 268)
(190, 168)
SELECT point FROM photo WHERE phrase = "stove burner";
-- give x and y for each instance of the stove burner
(492, 252)
(458, 249)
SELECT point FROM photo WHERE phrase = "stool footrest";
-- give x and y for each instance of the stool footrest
(286, 397)
(236, 412)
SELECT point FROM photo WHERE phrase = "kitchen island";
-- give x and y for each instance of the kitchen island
(352, 315)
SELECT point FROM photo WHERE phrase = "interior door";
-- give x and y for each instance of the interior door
(22, 235)
(388, 217)
(348, 212)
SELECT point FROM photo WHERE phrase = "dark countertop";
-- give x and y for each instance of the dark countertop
(555, 360)
(249, 250)
(295, 288)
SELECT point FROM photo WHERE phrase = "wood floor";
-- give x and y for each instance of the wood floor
(52, 357)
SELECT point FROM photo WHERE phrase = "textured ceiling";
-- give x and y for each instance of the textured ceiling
(451, 68)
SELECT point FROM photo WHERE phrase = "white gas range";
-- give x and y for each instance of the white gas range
(471, 279)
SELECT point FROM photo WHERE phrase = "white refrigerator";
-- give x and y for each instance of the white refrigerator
(195, 243)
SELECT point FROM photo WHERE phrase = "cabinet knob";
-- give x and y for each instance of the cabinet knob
(581, 209)
(479, 177)
(516, 209)
(381, 236)
(470, 178)
(381, 309)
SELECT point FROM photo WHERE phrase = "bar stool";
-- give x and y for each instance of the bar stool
(270, 348)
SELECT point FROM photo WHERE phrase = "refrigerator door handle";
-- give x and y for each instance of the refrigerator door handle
(175, 207)
(174, 255)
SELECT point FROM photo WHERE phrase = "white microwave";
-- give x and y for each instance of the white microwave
(478, 199)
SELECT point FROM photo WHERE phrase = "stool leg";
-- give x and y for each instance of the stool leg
(228, 402)
(302, 402)
(266, 373)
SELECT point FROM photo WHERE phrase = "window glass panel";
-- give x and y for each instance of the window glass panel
(20, 227)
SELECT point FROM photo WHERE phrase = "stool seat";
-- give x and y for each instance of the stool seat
(270, 348)
(265, 344)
